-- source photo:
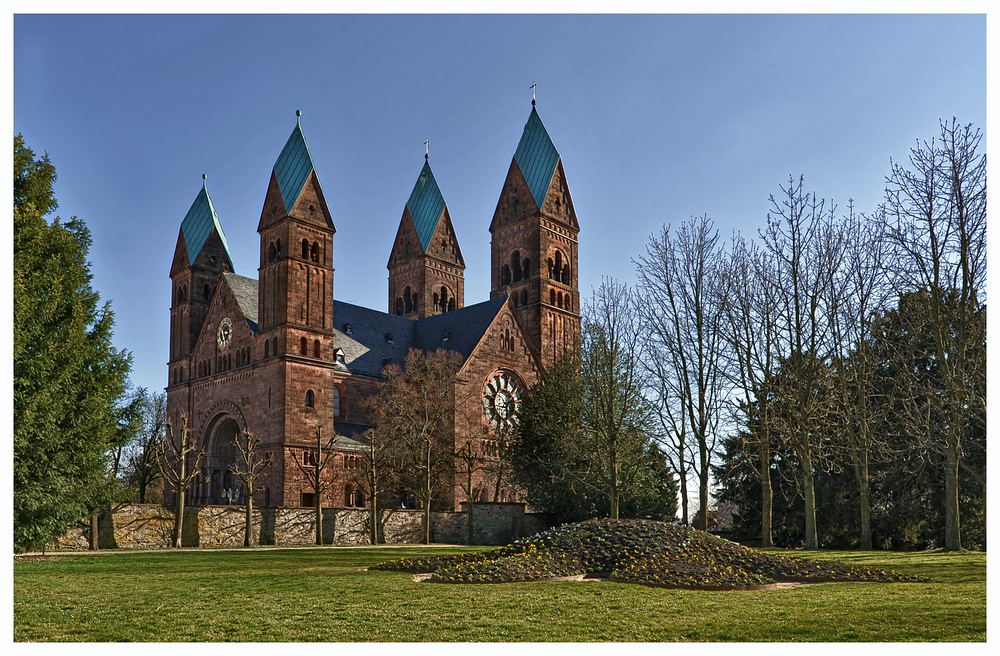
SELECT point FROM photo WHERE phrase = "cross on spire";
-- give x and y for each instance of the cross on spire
(533, 85)
(427, 149)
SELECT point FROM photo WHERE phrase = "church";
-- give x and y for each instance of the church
(278, 356)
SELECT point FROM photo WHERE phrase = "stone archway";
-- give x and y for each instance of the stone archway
(220, 455)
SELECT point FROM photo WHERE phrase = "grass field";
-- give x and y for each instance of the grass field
(296, 595)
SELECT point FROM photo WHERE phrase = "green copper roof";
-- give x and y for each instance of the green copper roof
(293, 167)
(536, 157)
(425, 206)
(198, 223)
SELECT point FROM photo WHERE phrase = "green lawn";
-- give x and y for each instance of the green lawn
(323, 595)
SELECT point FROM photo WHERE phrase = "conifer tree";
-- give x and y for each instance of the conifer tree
(68, 377)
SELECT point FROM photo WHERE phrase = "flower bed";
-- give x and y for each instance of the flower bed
(637, 551)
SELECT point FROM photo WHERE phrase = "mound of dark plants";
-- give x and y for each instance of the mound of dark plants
(637, 551)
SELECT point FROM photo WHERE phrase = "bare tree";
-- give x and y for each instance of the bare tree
(248, 469)
(681, 278)
(617, 419)
(857, 294)
(139, 459)
(173, 460)
(806, 246)
(416, 406)
(379, 464)
(750, 313)
(312, 464)
(935, 216)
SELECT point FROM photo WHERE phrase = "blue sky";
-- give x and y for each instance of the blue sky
(657, 118)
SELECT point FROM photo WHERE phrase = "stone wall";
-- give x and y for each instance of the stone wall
(149, 526)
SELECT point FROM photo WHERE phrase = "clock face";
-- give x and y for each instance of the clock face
(224, 334)
(502, 400)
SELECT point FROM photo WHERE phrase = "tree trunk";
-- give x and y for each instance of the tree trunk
(952, 534)
(703, 485)
(766, 496)
(374, 520)
(471, 524)
(248, 525)
(319, 516)
(427, 496)
(809, 494)
(861, 471)
(94, 538)
(179, 517)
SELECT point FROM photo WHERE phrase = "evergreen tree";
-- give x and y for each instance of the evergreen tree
(68, 378)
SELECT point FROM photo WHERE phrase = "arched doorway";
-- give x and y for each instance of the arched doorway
(219, 485)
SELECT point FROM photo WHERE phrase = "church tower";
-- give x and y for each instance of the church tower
(295, 302)
(200, 258)
(426, 268)
(534, 244)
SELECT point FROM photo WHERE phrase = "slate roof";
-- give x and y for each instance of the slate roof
(425, 205)
(537, 157)
(245, 291)
(366, 349)
(293, 167)
(198, 224)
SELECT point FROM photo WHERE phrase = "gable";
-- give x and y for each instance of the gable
(558, 202)
(516, 201)
(444, 243)
(406, 244)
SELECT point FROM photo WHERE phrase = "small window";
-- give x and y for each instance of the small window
(267, 348)
(310, 399)
(338, 355)
(314, 253)
(271, 252)
(308, 500)
(303, 346)
(336, 402)
(305, 249)
(316, 348)
(348, 330)
(389, 338)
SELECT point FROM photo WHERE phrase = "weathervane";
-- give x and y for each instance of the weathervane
(533, 85)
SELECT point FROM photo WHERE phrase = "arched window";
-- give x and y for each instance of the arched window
(451, 304)
(271, 252)
(515, 265)
(316, 349)
(407, 301)
(565, 274)
(277, 246)
(505, 275)
(267, 348)
(208, 292)
(310, 399)
(559, 299)
(336, 402)
(314, 252)
(552, 297)
(348, 495)
(305, 249)
(551, 266)
(526, 268)
(437, 302)
(399, 306)
(274, 346)
(303, 346)
(413, 301)
(557, 271)
(444, 299)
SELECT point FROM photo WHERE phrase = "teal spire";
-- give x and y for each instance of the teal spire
(426, 204)
(536, 157)
(199, 222)
(293, 166)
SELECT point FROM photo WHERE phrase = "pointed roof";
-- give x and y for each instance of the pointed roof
(198, 224)
(426, 205)
(537, 157)
(293, 167)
